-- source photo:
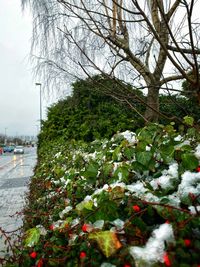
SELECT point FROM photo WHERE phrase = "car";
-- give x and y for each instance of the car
(8, 149)
(19, 150)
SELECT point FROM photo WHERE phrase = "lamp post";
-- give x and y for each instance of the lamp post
(5, 141)
(40, 104)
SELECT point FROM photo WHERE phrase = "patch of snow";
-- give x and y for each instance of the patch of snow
(106, 264)
(129, 136)
(65, 211)
(148, 148)
(178, 138)
(155, 247)
(137, 188)
(165, 181)
(99, 224)
(194, 210)
(118, 223)
(197, 151)
(190, 183)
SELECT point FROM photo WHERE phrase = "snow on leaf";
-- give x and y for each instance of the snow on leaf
(32, 237)
(154, 248)
(107, 241)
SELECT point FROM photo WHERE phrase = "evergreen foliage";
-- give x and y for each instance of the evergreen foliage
(89, 113)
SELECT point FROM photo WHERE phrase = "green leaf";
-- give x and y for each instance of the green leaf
(91, 170)
(122, 172)
(84, 205)
(129, 152)
(32, 237)
(144, 157)
(164, 200)
(145, 135)
(189, 161)
(167, 152)
(117, 154)
(107, 241)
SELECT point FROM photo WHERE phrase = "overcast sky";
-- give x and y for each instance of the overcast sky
(19, 105)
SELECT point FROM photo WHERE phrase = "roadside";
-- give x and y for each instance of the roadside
(14, 178)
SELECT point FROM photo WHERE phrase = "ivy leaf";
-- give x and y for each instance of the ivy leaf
(144, 157)
(88, 205)
(107, 241)
(32, 237)
(129, 152)
(117, 154)
(189, 161)
(167, 152)
(91, 170)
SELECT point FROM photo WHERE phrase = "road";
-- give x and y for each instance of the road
(15, 173)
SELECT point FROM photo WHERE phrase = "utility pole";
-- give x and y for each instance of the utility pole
(40, 104)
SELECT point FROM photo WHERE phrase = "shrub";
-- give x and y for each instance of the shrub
(132, 200)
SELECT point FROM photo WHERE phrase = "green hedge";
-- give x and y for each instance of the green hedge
(132, 200)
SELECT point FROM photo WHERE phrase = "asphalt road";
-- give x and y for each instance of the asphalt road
(15, 173)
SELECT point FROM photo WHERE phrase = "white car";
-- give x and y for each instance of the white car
(19, 150)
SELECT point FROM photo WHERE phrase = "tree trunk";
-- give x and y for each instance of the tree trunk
(152, 109)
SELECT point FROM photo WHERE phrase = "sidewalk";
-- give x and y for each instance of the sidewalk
(13, 189)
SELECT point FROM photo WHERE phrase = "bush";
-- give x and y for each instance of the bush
(89, 114)
(132, 200)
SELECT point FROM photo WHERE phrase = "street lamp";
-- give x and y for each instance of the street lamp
(5, 141)
(40, 104)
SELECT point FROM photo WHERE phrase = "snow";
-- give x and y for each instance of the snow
(106, 264)
(118, 223)
(197, 151)
(154, 249)
(137, 188)
(165, 181)
(65, 211)
(194, 210)
(178, 138)
(190, 183)
(129, 136)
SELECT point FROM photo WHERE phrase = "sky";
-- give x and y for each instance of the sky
(19, 96)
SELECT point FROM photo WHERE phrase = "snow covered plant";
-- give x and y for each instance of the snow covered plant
(133, 200)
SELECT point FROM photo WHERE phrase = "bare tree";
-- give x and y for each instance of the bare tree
(148, 43)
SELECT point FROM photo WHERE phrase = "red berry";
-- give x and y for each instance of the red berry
(136, 208)
(198, 169)
(82, 255)
(187, 242)
(167, 221)
(51, 227)
(192, 196)
(166, 260)
(127, 265)
(33, 255)
(40, 263)
(84, 227)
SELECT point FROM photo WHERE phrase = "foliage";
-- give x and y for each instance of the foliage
(132, 200)
(89, 113)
